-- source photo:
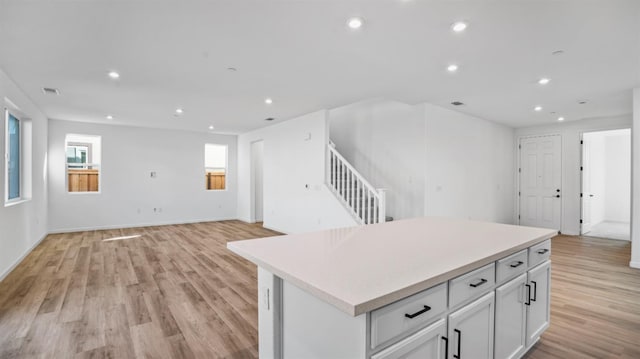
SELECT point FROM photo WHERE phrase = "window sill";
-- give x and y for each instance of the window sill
(16, 202)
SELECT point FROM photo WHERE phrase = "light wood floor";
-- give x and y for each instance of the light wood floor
(176, 292)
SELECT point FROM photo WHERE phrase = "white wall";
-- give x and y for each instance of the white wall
(469, 167)
(385, 142)
(128, 194)
(23, 225)
(295, 197)
(571, 133)
(618, 178)
(635, 180)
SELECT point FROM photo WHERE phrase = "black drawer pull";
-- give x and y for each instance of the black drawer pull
(535, 291)
(516, 264)
(543, 251)
(528, 302)
(446, 347)
(411, 316)
(457, 356)
(481, 282)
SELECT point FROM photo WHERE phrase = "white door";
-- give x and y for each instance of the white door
(540, 180)
(257, 157)
(429, 343)
(586, 187)
(539, 298)
(511, 318)
(471, 330)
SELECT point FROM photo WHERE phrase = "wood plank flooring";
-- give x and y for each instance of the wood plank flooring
(177, 292)
(153, 292)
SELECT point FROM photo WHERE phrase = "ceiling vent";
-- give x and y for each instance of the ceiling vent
(457, 103)
(50, 91)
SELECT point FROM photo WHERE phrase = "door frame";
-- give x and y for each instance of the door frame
(581, 149)
(252, 190)
(519, 175)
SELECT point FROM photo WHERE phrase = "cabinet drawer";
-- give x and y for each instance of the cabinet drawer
(539, 253)
(403, 316)
(426, 343)
(472, 284)
(511, 266)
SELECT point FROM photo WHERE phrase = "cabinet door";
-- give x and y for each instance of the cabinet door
(539, 299)
(471, 330)
(511, 316)
(425, 344)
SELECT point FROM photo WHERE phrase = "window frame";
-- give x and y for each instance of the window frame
(226, 163)
(88, 164)
(21, 198)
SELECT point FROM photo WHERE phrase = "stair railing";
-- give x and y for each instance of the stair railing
(366, 203)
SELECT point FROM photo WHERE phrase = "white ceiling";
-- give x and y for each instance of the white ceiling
(300, 53)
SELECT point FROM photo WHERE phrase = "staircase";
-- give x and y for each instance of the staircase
(366, 203)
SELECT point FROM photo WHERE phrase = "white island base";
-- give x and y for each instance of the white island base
(491, 300)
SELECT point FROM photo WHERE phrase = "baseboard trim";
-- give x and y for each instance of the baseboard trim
(22, 257)
(137, 225)
(634, 264)
(274, 229)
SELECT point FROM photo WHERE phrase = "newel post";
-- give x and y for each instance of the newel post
(382, 207)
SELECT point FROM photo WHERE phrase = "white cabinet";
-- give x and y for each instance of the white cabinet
(511, 318)
(429, 343)
(538, 309)
(471, 330)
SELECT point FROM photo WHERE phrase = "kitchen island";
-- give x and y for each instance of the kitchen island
(429, 287)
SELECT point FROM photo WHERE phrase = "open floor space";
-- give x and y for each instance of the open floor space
(177, 292)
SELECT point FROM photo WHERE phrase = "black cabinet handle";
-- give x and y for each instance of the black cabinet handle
(481, 282)
(535, 291)
(457, 356)
(542, 251)
(411, 316)
(446, 347)
(516, 264)
(528, 302)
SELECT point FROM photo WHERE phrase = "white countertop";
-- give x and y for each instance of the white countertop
(359, 269)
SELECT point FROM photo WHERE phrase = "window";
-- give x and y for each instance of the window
(83, 163)
(215, 165)
(13, 164)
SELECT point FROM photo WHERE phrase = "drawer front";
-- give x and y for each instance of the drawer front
(426, 343)
(539, 253)
(472, 284)
(403, 316)
(511, 266)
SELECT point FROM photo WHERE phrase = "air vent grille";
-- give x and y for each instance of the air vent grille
(50, 91)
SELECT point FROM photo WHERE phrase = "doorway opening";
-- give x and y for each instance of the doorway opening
(606, 184)
(257, 181)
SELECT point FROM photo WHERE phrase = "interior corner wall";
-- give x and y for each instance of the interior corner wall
(469, 167)
(635, 180)
(295, 197)
(571, 133)
(128, 194)
(23, 225)
(385, 142)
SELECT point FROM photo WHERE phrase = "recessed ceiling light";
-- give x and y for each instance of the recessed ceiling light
(211, 127)
(557, 52)
(355, 23)
(544, 81)
(459, 26)
(537, 108)
(457, 103)
(269, 119)
(561, 118)
(452, 68)
(114, 75)
(582, 102)
(232, 69)
(179, 111)
(268, 101)
(109, 117)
